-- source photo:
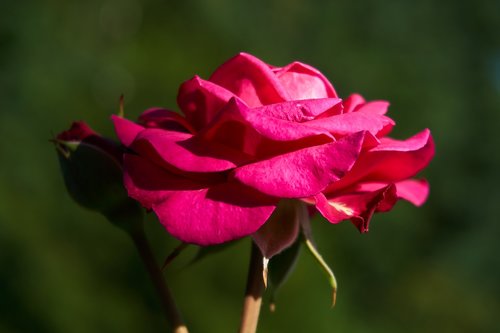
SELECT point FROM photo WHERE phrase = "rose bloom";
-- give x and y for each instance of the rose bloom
(254, 137)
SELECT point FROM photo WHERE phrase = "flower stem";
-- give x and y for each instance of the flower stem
(253, 293)
(171, 311)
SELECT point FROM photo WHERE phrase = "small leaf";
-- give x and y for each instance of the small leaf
(331, 277)
(280, 267)
(121, 109)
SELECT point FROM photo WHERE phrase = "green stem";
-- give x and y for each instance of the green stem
(171, 311)
(253, 293)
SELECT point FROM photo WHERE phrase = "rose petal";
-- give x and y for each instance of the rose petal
(126, 130)
(304, 172)
(185, 152)
(302, 81)
(166, 119)
(214, 215)
(358, 207)
(200, 100)
(250, 79)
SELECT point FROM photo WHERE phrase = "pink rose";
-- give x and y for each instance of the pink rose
(253, 135)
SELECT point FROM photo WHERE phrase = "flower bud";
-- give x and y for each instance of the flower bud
(92, 170)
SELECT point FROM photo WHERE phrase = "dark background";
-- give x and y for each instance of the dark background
(433, 269)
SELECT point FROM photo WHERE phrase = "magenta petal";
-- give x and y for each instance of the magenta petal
(251, 80)
(352, 122)
(200, 100)
(304, 172)
(126, 130)
(280, 230)
(215, 215)
(149, 184)
(413, 190)
(358, 207)
(302, 81)
(166, 119)
(184, 152)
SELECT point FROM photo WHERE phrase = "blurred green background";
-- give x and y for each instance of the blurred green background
(434, 269)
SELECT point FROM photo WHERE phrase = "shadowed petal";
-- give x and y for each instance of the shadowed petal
(184, 152)
(148, 183)
(166, 119)
(280, 230)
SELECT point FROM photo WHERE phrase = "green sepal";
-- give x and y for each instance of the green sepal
(280, 267)
(94, 179)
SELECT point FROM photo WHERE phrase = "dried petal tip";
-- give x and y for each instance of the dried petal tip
(334, 297)
(265, 264)
(121, 110)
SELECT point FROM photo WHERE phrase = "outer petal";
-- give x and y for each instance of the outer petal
(413, 190)
(358, 207)
(184, 152)
(200, 100)
(215, 215)
(302, 81)
(304, 172)
(126, 130)
(166, 119)
(250, 79)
